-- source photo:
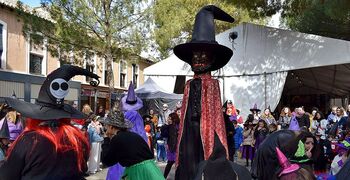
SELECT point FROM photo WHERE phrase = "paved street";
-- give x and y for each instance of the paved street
(102, 175)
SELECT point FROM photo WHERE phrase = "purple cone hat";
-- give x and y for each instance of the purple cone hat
(294, 125)
(286, 166)
(131, 102)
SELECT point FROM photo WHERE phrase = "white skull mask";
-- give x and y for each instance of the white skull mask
(59, 88)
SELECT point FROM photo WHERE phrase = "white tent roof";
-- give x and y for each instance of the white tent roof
(149, 86)
(170, 66)
(258, 50)
(150, 90)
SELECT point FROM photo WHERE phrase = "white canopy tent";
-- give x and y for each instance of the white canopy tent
(150, 90)
(262, 57)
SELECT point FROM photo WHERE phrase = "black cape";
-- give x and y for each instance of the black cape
(34, 157)
(191, 148)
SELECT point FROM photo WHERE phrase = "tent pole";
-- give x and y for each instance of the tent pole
(265, 87)
(223, 89)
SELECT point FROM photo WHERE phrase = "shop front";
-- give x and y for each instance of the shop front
(96, 97)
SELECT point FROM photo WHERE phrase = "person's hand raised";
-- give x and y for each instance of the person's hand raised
(308, 153)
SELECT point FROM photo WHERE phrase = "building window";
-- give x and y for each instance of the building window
(122, 74)
(135, 74)
(105, 71)
(37, 58)
(90, 64)
(3, 44)
(35, 64)
(90, 68)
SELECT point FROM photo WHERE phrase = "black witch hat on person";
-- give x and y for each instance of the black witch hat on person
(117, 119)
(255, 108)
(203, 39)
(4, 131)
(219, 167)
(50, 103)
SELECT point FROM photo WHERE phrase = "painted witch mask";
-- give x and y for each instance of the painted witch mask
(201, 61)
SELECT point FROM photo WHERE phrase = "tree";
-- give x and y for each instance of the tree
(329, 18)
(81, 28)
(174, 20)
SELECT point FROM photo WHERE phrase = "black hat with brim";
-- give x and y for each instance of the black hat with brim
(44, 112)
(203, 38)
(218, 162)
(222, 54)
(50, 102)
(117, 119)
(257, 110)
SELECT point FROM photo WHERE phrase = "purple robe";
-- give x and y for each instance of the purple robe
(116, 172)
(14, 129)
(137, 121)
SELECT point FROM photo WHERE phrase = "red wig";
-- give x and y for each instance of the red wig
(65, 138)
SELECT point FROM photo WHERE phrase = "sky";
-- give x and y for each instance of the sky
(32, 3)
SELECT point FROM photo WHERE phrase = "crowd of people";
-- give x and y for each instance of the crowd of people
(323, 149)
(50, 139)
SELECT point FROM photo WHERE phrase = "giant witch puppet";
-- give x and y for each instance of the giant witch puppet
(202, 121)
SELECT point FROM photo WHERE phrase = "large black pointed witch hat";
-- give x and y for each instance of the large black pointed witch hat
(50, 103)
(4, 131)
(203, 38)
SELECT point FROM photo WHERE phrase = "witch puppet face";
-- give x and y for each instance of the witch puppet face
(201, 61)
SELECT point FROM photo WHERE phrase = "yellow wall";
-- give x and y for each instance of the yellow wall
(17, 50)
(142, 66)
(16, 43)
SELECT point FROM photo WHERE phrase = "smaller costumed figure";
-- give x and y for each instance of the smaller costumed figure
(129, 149)
(50, 147)
(229, 113)
(254, 116)
(130, 104)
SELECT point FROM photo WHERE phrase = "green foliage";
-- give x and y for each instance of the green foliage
(174, 20)
(111, 29)
(259, 8)
(329, 18)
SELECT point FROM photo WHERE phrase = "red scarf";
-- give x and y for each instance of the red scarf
(212, 120)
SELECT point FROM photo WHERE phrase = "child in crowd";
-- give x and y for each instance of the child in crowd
(161, 153)
(260, 133)
(238, 137)
(248, 149)
(149, 135)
